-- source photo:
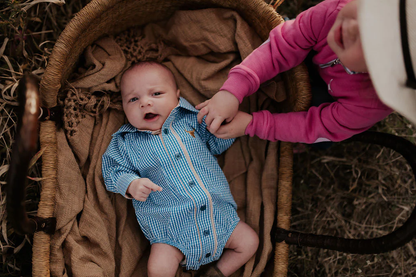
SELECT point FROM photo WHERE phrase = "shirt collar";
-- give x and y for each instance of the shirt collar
(183, 104)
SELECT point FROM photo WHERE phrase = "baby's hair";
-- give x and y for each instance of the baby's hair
(147, 63)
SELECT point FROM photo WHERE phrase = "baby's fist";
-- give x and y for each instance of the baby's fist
(140, 189)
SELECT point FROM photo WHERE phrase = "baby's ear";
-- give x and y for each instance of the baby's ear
(178, 92)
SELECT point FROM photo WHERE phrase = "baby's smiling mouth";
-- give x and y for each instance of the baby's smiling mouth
(150, 116)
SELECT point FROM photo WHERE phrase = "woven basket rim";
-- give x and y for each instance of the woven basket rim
(92, 13)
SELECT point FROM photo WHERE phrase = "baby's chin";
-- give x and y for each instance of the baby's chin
(149, 127)
(146, 126)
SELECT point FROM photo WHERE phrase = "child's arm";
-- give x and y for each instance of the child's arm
(328, 122)
(287, 46)
(119, 174)
(235, 128)
(216, 145)
(222, 107)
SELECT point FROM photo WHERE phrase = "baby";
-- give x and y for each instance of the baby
(164, 160)
(331, 30)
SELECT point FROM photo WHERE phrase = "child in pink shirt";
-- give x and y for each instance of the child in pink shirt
(329, 28)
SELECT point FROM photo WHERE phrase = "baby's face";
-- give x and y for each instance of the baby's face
(344, 38)
(149, 94)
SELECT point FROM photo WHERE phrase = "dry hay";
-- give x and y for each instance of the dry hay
(29, 30)
(353, 190)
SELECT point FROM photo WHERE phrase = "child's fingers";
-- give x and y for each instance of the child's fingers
(215, 124)
(228, 120)
(203, 112)
(153, 187)
(221, 134)
(224, 129)
(226, 132)
(208, 120)
(201, 105)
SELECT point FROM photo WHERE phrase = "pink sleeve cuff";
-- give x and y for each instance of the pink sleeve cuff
(241, 82)
(251, 127)
(262, 125)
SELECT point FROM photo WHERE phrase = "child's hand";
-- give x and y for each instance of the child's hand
(140, 189)
(236, 128)
(222, 106)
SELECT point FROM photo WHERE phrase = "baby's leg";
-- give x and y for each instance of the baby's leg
(164, 260)
(239, 248)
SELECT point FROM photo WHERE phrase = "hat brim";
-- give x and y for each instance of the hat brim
(381, 40)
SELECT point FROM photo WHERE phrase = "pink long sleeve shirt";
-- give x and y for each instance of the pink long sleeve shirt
(356, 107)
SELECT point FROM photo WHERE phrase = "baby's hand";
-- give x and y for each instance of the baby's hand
(236, 128)
(140, 189)
(222, 106)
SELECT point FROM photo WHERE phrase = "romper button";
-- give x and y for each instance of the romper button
(203, 207)
(208, 255)
(178, 156)
(206, 233)
(166, 131)
(191, 183)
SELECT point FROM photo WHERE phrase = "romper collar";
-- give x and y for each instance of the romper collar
(183, 104)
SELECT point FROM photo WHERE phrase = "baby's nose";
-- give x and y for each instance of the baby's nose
(146, 102)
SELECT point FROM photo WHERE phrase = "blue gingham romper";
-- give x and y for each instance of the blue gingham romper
(195, 212)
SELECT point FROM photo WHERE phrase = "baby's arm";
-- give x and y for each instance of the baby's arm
(119, 173)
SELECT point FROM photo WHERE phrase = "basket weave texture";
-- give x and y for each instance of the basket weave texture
(101, 18)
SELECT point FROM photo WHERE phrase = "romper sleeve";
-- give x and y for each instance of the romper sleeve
(118, 171)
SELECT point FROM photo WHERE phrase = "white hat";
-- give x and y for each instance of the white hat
(388, 36)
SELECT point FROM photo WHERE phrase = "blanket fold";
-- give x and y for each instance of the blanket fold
(97, 232)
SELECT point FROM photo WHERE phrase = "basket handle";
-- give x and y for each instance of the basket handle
(24, 148)
(386, 243)
(277, 3)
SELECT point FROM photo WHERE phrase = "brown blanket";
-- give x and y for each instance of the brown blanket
(97, 232)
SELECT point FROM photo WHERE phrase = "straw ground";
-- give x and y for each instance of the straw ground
(29, 30)
(349, 190)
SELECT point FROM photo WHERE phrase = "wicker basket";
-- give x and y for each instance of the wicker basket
(102, 17)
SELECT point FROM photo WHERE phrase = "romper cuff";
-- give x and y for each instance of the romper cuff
(124, 182)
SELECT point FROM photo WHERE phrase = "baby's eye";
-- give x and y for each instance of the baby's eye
(133, 99)
(157, 93)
